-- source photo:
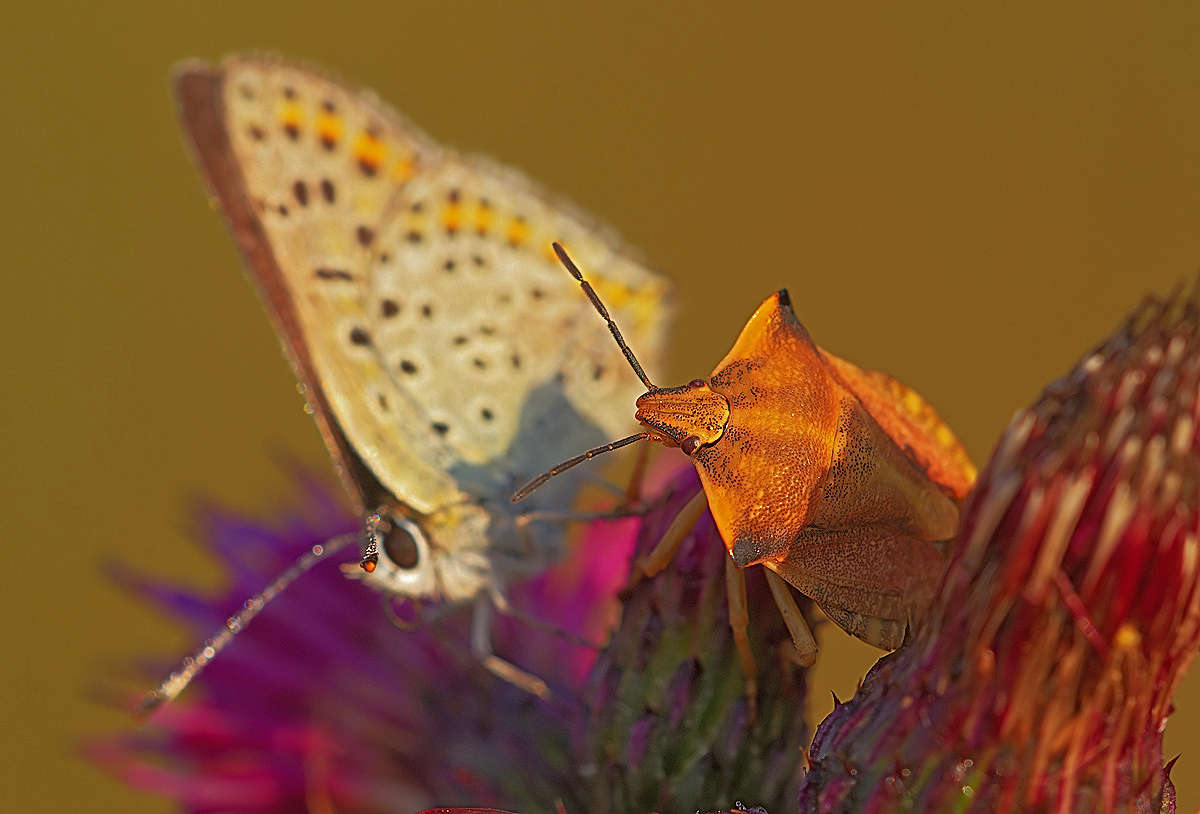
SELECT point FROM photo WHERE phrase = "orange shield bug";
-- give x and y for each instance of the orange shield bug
(842, 481)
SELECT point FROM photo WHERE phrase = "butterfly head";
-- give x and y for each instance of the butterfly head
(403, 555)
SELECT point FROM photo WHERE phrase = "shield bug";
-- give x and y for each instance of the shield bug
(841, 481)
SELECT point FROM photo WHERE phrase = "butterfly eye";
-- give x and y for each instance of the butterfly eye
(400, 546)
(403, 564)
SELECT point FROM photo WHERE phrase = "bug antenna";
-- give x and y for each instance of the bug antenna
(566, 260)
(174, 684)
(528, 488)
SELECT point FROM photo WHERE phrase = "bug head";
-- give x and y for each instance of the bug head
(690, 417)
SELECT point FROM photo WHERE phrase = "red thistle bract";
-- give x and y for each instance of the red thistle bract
(1041, 678)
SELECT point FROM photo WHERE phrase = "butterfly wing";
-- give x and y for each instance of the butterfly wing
(444, 353)
(254, 140)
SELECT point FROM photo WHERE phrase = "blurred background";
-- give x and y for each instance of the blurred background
(966, 198)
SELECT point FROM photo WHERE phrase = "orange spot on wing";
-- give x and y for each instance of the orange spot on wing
(291, 116)
(451, 216)
(369, 151)
(329, 129)
(483, 218)
(518, 231)
(404, 169)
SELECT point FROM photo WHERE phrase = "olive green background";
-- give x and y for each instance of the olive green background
(967, 199)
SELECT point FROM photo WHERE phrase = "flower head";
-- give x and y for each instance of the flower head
(1042, 676)
(670, 727)
(321, 703)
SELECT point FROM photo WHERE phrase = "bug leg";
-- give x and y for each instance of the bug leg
(633, 491)
(739, 624)
(657, 558)
(481, 646)
(802, 637)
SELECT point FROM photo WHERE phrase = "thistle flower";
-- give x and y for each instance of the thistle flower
(321, 704)
(1041, 678)
(670, 727)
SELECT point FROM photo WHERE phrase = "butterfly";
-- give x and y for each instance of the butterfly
(414, 289)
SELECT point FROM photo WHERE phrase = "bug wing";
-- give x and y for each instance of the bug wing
(912, 424)
(414, 290)
(870, 581)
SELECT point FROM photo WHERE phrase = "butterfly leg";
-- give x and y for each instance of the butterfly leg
(802, 637)
(739, 624)
(481, 645)
(657, 558)
(561, 517)
(501, 604)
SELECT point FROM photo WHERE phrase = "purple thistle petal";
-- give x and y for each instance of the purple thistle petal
(321, 703)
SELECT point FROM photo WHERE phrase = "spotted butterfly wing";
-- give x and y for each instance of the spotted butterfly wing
(441, 349)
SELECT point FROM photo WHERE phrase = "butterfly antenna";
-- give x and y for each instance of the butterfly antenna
(528, 488)
(566, 260)
(193, 664)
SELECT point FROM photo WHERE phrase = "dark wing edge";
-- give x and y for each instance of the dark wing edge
(197, 88)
